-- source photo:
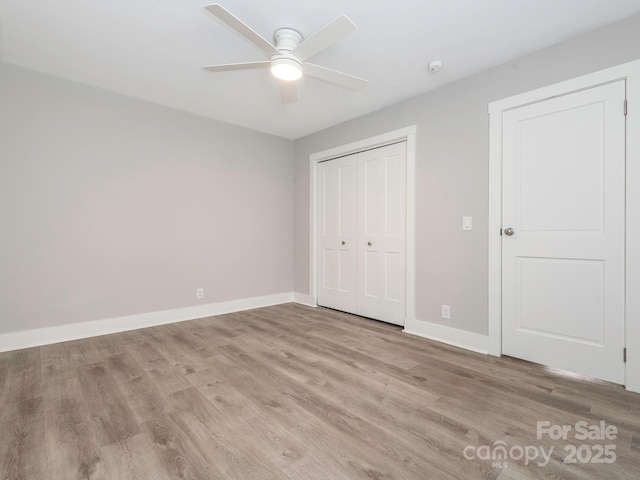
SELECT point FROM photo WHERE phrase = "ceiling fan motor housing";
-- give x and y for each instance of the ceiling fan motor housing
(286, 39)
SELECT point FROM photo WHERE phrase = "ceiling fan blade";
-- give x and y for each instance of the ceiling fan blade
(236, 66)
(335, 77)
(242, 28)
(288, 92)
(325, 37)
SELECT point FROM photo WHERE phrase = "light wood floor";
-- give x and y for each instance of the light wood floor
(291, 392)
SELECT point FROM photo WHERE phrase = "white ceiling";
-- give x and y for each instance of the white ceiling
(153, 49)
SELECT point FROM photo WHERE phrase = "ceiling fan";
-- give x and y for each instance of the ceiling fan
(287, 57)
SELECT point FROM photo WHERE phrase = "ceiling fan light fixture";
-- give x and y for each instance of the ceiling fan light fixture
(286, 68)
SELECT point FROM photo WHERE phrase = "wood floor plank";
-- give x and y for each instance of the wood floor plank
(311, 468)
(21, 454)
(24, 375)
(22, 417)
(273, 439)
(110, 413)
(71, 446)
(167, 377)
(133, 458)
(223, 440)
(182, 349)
(123, 367)
(178, 450)
(57, 363)
(88, 351)
(5, 360)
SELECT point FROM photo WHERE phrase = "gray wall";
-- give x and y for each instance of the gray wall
(111, 206)
(452, 167)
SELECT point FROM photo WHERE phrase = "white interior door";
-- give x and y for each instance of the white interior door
(362, 233)
(337, 215)
(382, 233)
(563, 243)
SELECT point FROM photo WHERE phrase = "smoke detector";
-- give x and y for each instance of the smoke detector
(435, 66)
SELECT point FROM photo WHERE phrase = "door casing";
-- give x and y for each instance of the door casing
(631, 73)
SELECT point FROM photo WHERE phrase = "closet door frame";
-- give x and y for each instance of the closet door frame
(408, 135)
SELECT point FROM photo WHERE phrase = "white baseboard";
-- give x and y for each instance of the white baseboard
(75, 331)
(304, 299)
(451, 336)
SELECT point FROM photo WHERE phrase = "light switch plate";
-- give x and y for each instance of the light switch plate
(467, 223)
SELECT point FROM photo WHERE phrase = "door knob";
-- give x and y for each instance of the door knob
(369, 243)
(343, 242)
(509, 231)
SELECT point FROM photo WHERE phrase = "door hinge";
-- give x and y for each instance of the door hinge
(625, 107)
(624, 354)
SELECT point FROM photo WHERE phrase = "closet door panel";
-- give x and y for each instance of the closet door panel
(337, 222)
(381, 233)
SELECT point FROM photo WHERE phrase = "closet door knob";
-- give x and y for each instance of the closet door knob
(343, 242)
(369, 243)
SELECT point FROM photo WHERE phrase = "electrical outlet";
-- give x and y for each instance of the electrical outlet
(446, 312)
(199, 293)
